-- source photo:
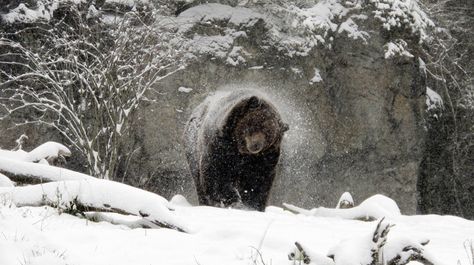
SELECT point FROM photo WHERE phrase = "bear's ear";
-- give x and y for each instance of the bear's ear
(284, 127)
(254, 102)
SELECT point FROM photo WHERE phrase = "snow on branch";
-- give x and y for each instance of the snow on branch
(379, 248)
(375, 207)
(78, 196)
(379, 238)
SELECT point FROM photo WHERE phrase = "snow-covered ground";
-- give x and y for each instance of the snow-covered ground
(42, 236)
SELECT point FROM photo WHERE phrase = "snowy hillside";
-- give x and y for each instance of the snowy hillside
(74, 218)
(41, 236)
(78, 219)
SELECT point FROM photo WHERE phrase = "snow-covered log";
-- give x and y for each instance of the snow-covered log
(30, 173)
(45, 151)
(374, 207)
(5, 181)
(97, 195)
(118, 219)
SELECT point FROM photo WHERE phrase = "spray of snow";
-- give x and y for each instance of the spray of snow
(295, 152)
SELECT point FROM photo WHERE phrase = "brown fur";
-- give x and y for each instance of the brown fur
(234, 163)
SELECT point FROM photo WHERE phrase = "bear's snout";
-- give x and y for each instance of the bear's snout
(255, 143)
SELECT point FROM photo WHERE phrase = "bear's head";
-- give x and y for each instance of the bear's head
(258, 126)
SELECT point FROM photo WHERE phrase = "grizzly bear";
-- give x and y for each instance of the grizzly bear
(232, 143)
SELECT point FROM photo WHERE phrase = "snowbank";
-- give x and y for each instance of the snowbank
(42, 236)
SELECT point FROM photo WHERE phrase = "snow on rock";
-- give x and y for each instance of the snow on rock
(233, 21)
(129, 3)
(384, 205)
(293, 29)
(351, 28)
(375, 207)
(45, 8)
(213, 12)
(297, 29)
(433, 99)
(258, 67)
(22, 13)
(222, 31)
(397, 47)
(183, 89)
(44, 11)
(345, 201)
(179, 200)
(5, 181)
(402, 13)
(317, 77)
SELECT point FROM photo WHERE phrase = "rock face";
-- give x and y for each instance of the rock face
(355, 109)
(345, 77)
